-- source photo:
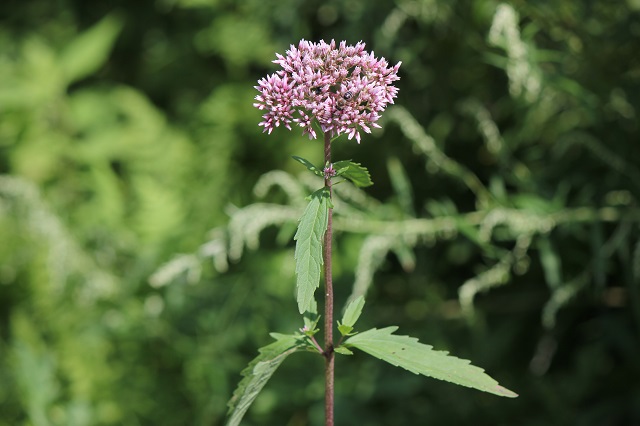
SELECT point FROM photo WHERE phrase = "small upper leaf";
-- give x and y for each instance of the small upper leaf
(356, 173)
(353, 311)
(408, 353)
(345, 330)
(342, 350)
(309, 165)
(258, 373)
(308, 253)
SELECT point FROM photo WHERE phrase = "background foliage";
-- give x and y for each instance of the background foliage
(503, 225)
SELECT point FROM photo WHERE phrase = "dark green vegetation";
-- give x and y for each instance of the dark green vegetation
(502, 226)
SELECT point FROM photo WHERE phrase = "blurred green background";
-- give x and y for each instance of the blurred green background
(136, 281)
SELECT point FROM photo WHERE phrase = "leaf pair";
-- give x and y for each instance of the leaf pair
(351, 315)
(401, 351)
(349, 170)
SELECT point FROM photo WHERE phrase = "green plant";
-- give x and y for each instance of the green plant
(334, 91)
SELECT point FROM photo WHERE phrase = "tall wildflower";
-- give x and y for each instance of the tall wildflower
(341, 90)
(344, 89)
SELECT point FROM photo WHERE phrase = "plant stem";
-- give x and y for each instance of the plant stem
(328, 301)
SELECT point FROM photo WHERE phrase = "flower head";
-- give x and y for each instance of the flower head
(343, 88)
(329, 171)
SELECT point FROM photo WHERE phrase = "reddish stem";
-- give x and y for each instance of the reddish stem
(328, 304)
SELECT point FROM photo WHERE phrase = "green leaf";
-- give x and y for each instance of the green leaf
(353, 311)
(311, 319)
(345, 330)
(354, 172)
(308, 253)
(258, 373)
(90, 50)
(309, 165)
(342, 350)
(408, 353)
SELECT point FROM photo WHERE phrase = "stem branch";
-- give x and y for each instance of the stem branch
(328, 304)
(315, 344)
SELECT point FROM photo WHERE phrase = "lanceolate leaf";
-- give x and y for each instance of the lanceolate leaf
(408, 353)
(258, 373)
(308, 254)
(309, 165)
(353, 311)
(354, 172)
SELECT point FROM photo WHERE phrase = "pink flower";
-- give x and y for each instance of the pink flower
(329, 172)
(343, 89)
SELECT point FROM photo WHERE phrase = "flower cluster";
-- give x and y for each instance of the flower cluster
(329, 171)
(344, 89)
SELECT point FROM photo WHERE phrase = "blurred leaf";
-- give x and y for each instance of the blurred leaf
(90, 50)
(550, 261)
(239, 40)
(34, 369)
(401, 185)
(408, 353)
(405, 254)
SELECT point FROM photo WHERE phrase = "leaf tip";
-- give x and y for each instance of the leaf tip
(502, 391)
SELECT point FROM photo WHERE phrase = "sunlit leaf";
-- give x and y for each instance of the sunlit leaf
(308, 254)
(353, 311)
(343, 351)
(354, 172)
(258, 373)
(408, 353)
(315, 170)
(401, 185)
(345, 330)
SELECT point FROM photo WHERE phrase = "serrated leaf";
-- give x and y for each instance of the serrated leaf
(353, 311)
(342, 350)
(308, 253)
(308, 165)
(258, 373)
(356, 173)
(90, 50)
(408, 353)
